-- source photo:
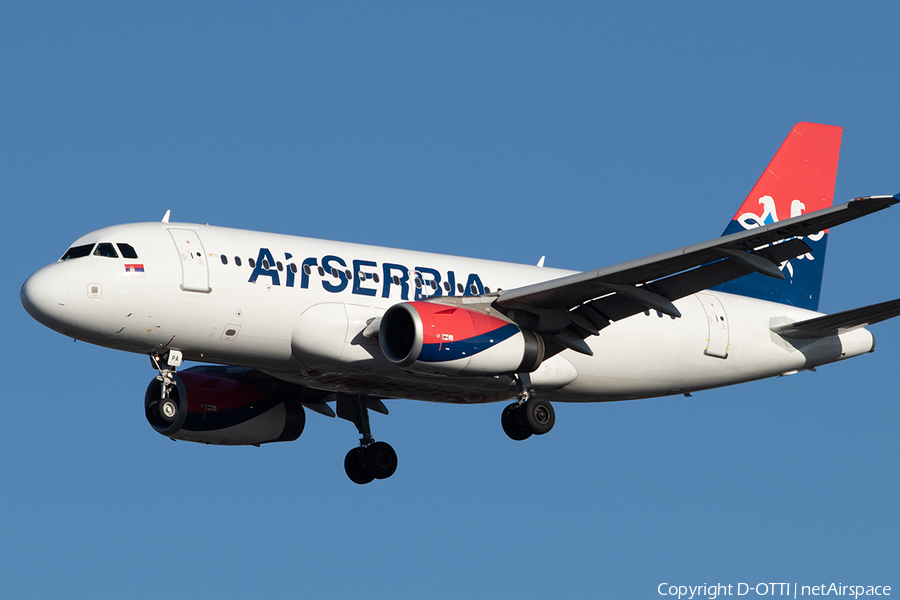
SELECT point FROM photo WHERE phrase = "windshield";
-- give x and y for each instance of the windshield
(77, 251)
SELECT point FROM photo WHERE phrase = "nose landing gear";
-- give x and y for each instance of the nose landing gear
(166, 410)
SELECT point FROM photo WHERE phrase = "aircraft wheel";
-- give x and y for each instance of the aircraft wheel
(539, 415)
(353, 465)
(380, 460)
(168, 410)
(513, 425)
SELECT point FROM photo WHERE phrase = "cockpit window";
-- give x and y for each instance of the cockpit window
(106, 249)
(127, 251)
(77, 251)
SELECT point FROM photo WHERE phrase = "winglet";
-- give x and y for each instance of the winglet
(165, 218)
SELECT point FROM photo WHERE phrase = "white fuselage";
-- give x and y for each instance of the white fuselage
(180, 294)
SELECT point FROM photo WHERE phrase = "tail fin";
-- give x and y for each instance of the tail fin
(799, 180)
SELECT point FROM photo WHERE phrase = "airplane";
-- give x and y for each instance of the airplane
(289, 323)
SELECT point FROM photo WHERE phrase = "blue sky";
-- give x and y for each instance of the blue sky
(588, 133)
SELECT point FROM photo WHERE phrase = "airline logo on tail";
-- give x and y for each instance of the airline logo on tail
(799, 179)
(749, 220)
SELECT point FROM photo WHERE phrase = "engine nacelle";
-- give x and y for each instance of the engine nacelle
(217, 405)
(448, 340)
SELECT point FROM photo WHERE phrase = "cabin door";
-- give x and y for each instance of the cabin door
(194, 266)
(717, 341)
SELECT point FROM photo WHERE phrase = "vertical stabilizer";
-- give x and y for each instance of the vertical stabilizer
(799, 180)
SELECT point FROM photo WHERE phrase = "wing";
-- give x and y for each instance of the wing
(571, 308)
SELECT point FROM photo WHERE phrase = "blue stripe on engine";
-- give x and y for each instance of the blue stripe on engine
(447, 351)
(214, 420)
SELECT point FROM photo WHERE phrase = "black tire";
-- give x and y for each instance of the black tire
(353, 465)
(513, 424)
(380, 460)
(152, 412)
(539, 415)
(168, 410)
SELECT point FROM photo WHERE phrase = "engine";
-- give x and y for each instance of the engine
(448, 340)
(225, 406)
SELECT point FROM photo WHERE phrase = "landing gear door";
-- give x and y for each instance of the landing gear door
(717, 343)
(194, 267)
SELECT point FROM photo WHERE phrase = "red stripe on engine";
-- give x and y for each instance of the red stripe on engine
(441, 322)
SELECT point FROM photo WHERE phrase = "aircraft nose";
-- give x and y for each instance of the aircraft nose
(44, 294)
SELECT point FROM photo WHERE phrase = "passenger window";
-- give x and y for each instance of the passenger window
(237, 260)
(279, 265)
(106, 249)
(77, 251)
(252, 263)
(127, 251)
(224, 259)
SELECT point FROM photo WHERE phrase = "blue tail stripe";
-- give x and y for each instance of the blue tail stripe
(803, 278)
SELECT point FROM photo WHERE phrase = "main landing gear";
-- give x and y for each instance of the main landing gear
(371, 460)
(528, 415)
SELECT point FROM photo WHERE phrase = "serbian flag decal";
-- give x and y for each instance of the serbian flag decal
(134, 269)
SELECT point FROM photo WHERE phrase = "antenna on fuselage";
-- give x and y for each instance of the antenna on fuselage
(165, 218)
(541, 262)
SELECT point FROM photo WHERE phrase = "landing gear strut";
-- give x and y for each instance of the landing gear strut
(527, 415)
(167, 407)
(371, 460)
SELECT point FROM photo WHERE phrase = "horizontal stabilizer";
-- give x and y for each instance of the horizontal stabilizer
(840, 322)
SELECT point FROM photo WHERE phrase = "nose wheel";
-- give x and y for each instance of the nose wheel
(168, 410)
